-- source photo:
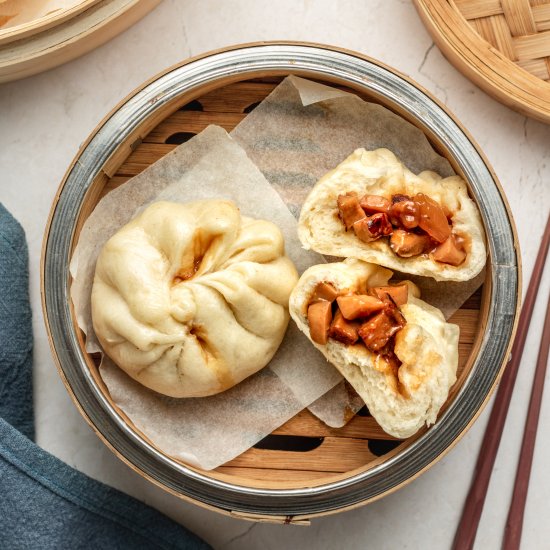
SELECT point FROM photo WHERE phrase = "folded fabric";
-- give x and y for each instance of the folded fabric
(15, 327)
(45, 503)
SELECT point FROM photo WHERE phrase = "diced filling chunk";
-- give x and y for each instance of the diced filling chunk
(343, 330)
(319, 317)
(415, 225)
(358, 305)
(377, 331)
(373, 204)
(371, 319)
(324, 292)
(407, 244)
(404, 212)
(432, 218)
(350, 209)
(450, 252)
(399, 294)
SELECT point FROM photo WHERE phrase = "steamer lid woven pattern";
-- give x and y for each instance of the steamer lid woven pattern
(516, 29)
(503, 46)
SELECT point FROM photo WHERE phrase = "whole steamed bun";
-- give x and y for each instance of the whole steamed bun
(190, 299)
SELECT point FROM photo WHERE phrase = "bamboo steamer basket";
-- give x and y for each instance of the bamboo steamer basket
(37, 44)
(304, 469)
(503, 46)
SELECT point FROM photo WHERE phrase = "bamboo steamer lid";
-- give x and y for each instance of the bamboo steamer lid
(22, 18)
(42, 34)
(503, 46)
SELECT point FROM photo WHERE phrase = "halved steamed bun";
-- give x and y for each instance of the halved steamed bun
(382, 176)
(403, 394)
(190, 299)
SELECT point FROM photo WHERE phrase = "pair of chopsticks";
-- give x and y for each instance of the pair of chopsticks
(467, 528)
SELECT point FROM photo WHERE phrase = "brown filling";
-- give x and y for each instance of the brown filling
(414, 225)
(185, 274)
(202, 243)
(371, 319)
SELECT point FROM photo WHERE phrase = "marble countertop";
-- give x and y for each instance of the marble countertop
(43, 120)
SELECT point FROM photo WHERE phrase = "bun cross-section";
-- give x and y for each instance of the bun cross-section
(371, 207)
(396, 350)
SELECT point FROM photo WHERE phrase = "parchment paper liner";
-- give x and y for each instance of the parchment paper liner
(302, 130)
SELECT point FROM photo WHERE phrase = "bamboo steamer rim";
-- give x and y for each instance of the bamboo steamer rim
(71, 35)
(258, 504)
(492, 70)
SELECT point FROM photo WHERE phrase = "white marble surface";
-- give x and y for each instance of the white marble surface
(43, 120)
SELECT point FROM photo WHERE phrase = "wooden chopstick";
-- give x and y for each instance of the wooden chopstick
(514, 523)
(467, 528)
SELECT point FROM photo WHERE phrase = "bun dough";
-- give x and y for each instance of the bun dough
(381, 173)
(190, 299)
(427, 347)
